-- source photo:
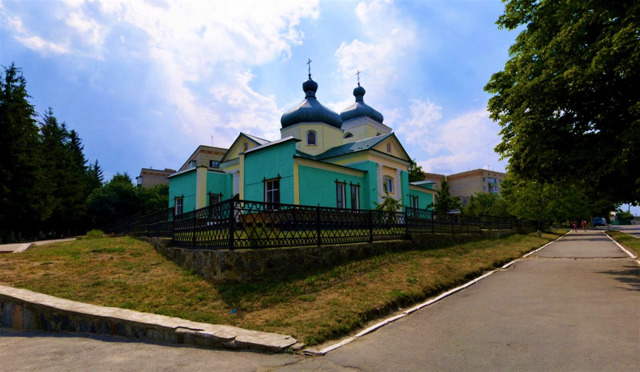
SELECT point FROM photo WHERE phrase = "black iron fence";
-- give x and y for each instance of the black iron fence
(237, 224)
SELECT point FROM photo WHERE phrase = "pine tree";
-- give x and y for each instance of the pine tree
(20, 203)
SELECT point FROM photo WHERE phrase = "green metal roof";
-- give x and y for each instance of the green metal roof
(357, 146)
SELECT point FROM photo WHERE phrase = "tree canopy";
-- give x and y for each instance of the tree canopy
(445, 202)
(415, 172)
(486, 203)
(568, 99)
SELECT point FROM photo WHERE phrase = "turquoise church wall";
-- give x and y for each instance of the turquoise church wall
(369, 191)
(424, 199)
(220, 183)
(318, 187)
(268, 163)
(404, 183)
(183, 185)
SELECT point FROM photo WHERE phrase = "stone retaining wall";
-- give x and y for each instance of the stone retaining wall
(260, 264)
(24, 309)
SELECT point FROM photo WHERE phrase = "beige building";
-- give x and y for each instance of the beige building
(468, 183)
(204, 155)
(151, 177)
(207, 156)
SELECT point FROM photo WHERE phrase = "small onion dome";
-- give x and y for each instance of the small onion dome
(310, 110)
(360, 108)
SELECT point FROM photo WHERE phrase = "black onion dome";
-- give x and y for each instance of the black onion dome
(359, 108)
(310, 110)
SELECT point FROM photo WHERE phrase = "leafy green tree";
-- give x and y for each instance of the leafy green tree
(114, 201)
(624, 217)
(568, 98)
(153, 199)
(486, 203)
(389, 203)
(545, 203)
(445, 202)
(415, 172)
(20, 176)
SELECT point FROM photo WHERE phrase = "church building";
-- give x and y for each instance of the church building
(323, 158)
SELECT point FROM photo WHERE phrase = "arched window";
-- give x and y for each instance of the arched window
(388, 147)
(311, 137)
(245, 146)
(348, 135)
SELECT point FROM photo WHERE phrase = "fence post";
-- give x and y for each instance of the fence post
(318, 230)
(173, 225)
(232, 223)
(370, 226)
(433, 224)
(406, 224)
(193, 241)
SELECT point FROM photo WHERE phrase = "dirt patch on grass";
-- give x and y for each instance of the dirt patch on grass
(314, 307)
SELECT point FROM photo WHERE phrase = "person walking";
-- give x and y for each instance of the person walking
(584, 225)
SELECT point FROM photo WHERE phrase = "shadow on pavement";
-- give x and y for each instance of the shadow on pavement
(630, 277)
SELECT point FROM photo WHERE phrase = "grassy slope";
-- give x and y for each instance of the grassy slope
(628, 241)
(127, 273)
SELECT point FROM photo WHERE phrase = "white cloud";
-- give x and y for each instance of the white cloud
(43, 46)
(215, 44)
(211, 44)
(462, 143)
(419, 128)
(388, 40)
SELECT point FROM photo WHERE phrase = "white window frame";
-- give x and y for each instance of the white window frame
(272, 191)
(178, 205)
(387, 182)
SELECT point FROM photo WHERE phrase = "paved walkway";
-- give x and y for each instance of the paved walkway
(21, 247)
(573, 306)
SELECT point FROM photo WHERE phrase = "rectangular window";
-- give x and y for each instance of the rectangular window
(214, 198)
(272, 191)
(214, 164)
(178, 205)
(387, 184)
(355, 196)
(414, 201)
(192, 164)
(341, 194)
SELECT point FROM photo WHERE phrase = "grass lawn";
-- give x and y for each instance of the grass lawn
(315, 307)
(628, 241)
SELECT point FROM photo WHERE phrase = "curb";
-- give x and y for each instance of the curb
(24, 309)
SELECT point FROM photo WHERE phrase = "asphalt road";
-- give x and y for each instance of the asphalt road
(573, 306)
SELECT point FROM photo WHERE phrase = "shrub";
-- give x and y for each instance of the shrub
(95, 234)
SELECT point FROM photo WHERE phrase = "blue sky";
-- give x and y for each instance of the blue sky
(145, 82)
